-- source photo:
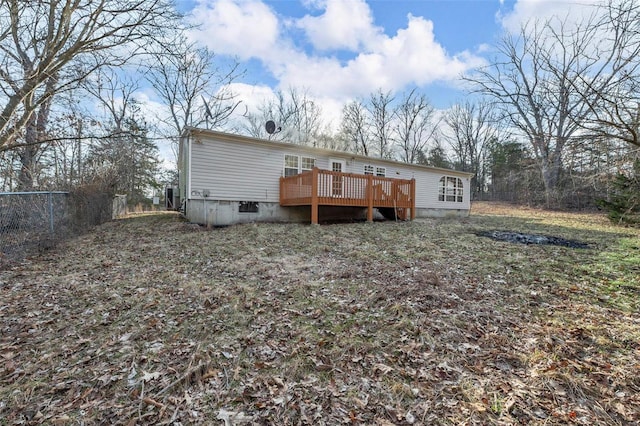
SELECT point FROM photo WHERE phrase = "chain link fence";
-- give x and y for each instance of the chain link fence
(36, 221)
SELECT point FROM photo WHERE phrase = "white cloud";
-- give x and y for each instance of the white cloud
(370, 59)
(484, 47)
(343, 25)
(249, 29)
(244, 29)
(415, 55)
(411, 57)
(251, 96)
(529, 10)
(331, 111)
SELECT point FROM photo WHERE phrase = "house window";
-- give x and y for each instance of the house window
(291, 165)
(294, 164)
(248, 207)
(378, 171)
(450, 189)
(308, 163)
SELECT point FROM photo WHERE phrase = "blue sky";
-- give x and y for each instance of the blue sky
(339, 50)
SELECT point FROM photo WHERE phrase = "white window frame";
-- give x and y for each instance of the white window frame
(450, 189)
(375, 170)
(288, 165)
(300, 164)
(337, 182)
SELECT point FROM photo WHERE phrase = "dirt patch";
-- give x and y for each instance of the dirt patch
(520, 238)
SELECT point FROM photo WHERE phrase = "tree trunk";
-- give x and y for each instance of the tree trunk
(28, 155)
(551, 169)
(26, 176)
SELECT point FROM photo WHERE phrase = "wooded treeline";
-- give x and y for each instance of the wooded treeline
(72, 74)
(553, 118)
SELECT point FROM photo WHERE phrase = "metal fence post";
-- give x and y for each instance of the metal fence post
(50, 196)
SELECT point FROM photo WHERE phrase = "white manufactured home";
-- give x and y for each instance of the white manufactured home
(227, 179)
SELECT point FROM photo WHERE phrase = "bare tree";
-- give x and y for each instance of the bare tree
(381, 114)
(35, 131)
(254, 125)
(279, 110)
(328, 140)
(195, 90)
(533, 82)
(612, 91)
(297, 116)
(355, 128)
(471, 131)
(306, 119)
(414, 126)
(69, 136)
(125, 156)
(115, 94)
(48, 46)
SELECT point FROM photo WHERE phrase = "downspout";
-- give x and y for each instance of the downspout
(188, 165)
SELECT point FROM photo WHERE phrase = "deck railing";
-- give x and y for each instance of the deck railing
(327, 188)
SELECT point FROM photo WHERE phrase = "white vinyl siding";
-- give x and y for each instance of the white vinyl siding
(235, 171)
(427, 182)
(238, 169)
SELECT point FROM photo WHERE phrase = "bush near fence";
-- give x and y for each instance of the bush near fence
(35, 221)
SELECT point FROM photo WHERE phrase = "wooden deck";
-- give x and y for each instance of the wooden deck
(326, 188)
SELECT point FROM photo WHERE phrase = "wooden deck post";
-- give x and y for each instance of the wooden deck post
(369, 198)
(314, 196)
(281, 190)
(413, 198)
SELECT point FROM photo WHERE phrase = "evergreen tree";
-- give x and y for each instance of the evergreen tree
(435, 157)
(128, 160)
(623, 206)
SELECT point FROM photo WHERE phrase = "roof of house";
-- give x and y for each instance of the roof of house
(313, 150)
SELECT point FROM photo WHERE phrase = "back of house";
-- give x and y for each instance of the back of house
(227, 179)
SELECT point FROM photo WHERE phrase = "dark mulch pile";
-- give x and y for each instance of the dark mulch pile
(517, 237)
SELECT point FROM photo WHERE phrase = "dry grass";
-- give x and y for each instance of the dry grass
(149, 320)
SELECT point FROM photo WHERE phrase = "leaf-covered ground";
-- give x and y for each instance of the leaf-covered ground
(150, 320)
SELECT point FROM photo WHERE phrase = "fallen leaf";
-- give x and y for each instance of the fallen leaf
(384, 369)
(61, 420)
(232, 418)
(147, 377)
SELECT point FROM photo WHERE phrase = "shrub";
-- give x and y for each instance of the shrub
(623, 205)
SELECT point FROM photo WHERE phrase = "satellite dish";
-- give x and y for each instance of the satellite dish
(270, 127)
